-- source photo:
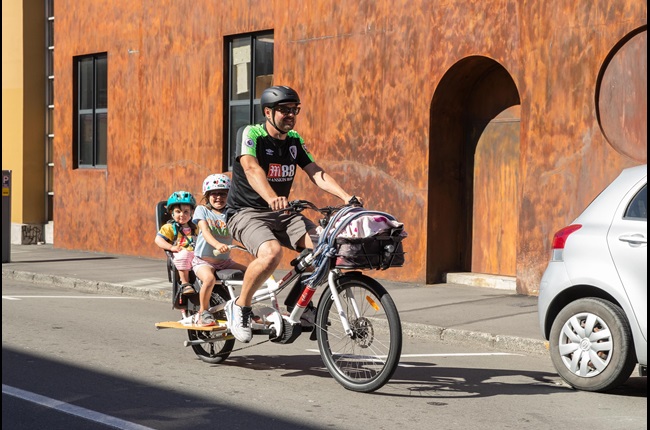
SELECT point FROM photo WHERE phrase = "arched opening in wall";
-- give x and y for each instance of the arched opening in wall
(622, 96)
(473, 195)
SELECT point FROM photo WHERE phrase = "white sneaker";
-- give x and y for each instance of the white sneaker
(239, 321)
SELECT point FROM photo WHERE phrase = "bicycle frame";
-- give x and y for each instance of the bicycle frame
(271, 289)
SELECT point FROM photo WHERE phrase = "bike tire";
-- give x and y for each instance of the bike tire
(365, 361)
(215, 349)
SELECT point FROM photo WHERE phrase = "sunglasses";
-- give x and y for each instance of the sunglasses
(285, 110)
(219, 194)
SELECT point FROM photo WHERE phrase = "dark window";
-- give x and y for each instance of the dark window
(638, 208)
(250, 71)
(91, 110)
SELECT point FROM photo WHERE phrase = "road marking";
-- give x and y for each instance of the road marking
(455, 354)
(147, 282)
(72, 409)
(90, 296)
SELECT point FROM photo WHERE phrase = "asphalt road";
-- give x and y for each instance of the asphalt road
(74, 360)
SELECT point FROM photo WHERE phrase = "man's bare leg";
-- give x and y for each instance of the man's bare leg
(259, 270)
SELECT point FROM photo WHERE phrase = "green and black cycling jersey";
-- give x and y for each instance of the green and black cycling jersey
(278, 158)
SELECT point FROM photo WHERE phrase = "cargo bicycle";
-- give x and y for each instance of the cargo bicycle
(355, 323)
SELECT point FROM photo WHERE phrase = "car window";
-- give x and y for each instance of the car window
(638, 207)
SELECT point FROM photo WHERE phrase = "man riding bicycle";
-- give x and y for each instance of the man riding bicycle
(263, 173)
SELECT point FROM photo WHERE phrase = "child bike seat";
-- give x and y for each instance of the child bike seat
(230, 275)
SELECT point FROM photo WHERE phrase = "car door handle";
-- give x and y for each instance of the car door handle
(636, 239)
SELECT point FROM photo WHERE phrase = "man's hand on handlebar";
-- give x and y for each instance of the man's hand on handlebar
(279, 203)
(356, 201)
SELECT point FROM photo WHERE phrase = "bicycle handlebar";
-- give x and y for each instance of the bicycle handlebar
(298, 206)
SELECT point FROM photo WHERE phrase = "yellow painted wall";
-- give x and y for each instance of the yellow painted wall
(12, 100)
(23, 108)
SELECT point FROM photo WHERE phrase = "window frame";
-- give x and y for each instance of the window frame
(637, 208)
(94, 147)
(251, 104)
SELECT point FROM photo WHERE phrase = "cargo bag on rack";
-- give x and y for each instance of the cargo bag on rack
(377, 252)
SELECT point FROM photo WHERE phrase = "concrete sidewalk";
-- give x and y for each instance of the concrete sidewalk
(456, 313)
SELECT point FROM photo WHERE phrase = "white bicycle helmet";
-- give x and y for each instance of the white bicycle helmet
(216, 181)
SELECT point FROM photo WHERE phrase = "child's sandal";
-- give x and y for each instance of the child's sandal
(188, 289)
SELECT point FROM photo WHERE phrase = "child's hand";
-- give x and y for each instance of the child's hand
(175, 248)
(221, 249)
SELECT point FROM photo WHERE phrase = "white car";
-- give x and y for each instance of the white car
(592, 304)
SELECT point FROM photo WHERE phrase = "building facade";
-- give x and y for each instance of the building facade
(483, 126)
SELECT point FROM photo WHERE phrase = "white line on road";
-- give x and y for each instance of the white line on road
(71, 409)
(455, 354)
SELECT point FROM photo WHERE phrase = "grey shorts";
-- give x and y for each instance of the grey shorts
(253, 227)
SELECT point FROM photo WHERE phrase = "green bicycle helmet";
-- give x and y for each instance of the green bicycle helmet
(181, 198)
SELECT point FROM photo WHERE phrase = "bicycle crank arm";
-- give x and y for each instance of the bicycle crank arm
(216, 308)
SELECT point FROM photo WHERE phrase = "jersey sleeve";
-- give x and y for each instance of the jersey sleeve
(248, 141)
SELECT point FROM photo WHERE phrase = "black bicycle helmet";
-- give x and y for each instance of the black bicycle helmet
(273, 96)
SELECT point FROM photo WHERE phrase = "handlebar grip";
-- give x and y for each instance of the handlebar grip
(296, 205)
(355, 201)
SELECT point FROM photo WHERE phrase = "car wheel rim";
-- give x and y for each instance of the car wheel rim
(585, 345)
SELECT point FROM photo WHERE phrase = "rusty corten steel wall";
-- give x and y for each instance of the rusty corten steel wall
(367, 73)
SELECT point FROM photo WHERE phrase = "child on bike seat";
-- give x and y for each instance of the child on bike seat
(179, 235)
(212, 251)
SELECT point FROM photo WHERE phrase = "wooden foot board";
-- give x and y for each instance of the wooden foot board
(221, 326)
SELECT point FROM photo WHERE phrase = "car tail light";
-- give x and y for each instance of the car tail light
(559, 240)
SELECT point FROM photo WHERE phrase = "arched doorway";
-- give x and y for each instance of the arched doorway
(473, 171)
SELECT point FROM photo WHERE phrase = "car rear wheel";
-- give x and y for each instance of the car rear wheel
(591, 345)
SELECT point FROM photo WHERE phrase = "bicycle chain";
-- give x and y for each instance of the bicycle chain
(249, 346)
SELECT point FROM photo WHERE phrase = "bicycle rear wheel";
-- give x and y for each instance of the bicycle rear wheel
(214, 348)
(367, 359)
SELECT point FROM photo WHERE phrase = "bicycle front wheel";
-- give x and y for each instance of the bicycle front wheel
(365, 359)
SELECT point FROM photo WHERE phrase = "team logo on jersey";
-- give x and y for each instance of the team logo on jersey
(293, 151)
(249, 143)
(280, 172)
